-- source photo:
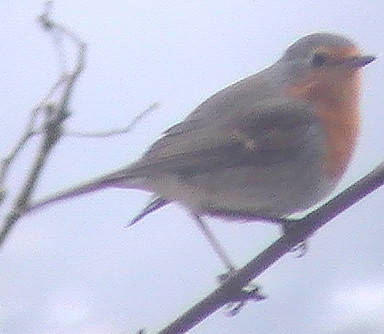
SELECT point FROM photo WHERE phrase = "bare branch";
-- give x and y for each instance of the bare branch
(7, 161)
(58, 32)
(55, 115)
(114, 132)
(30, 131)
(302, 229)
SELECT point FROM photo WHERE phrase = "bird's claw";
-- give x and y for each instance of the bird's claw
(239, 298)
(301, 248)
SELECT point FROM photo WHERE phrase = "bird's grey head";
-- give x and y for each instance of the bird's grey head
(320, 51)
(305, 47)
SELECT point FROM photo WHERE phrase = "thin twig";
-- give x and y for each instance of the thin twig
(47, 23)
(113, 132)
(7, 161)
(29, 132)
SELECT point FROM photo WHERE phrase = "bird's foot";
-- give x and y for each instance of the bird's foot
(239, 298)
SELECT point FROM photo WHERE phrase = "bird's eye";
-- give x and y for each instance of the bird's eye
(318, 60)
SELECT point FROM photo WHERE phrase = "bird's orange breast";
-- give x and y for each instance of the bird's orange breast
(336, 105)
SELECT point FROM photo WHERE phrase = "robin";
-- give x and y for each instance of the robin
(270, 145)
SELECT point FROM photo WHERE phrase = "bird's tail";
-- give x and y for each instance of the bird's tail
(119, 179)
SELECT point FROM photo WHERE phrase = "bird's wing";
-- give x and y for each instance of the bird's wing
(266, 133)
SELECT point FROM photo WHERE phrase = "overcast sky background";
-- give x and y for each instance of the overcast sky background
(73, 268)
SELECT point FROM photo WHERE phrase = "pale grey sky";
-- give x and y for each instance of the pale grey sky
(73, 268)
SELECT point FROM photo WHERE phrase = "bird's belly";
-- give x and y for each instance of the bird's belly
(276, 190)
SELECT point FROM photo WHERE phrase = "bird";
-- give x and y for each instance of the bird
(268, 146)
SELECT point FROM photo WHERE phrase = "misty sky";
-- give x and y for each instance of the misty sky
(73, 268)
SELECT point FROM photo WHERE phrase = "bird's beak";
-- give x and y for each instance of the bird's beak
(358, 61)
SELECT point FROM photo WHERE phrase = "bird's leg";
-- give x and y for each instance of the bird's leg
(239, 298)
(219, 250)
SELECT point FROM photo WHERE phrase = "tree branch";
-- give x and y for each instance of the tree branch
(303, 228)
(54, 117)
